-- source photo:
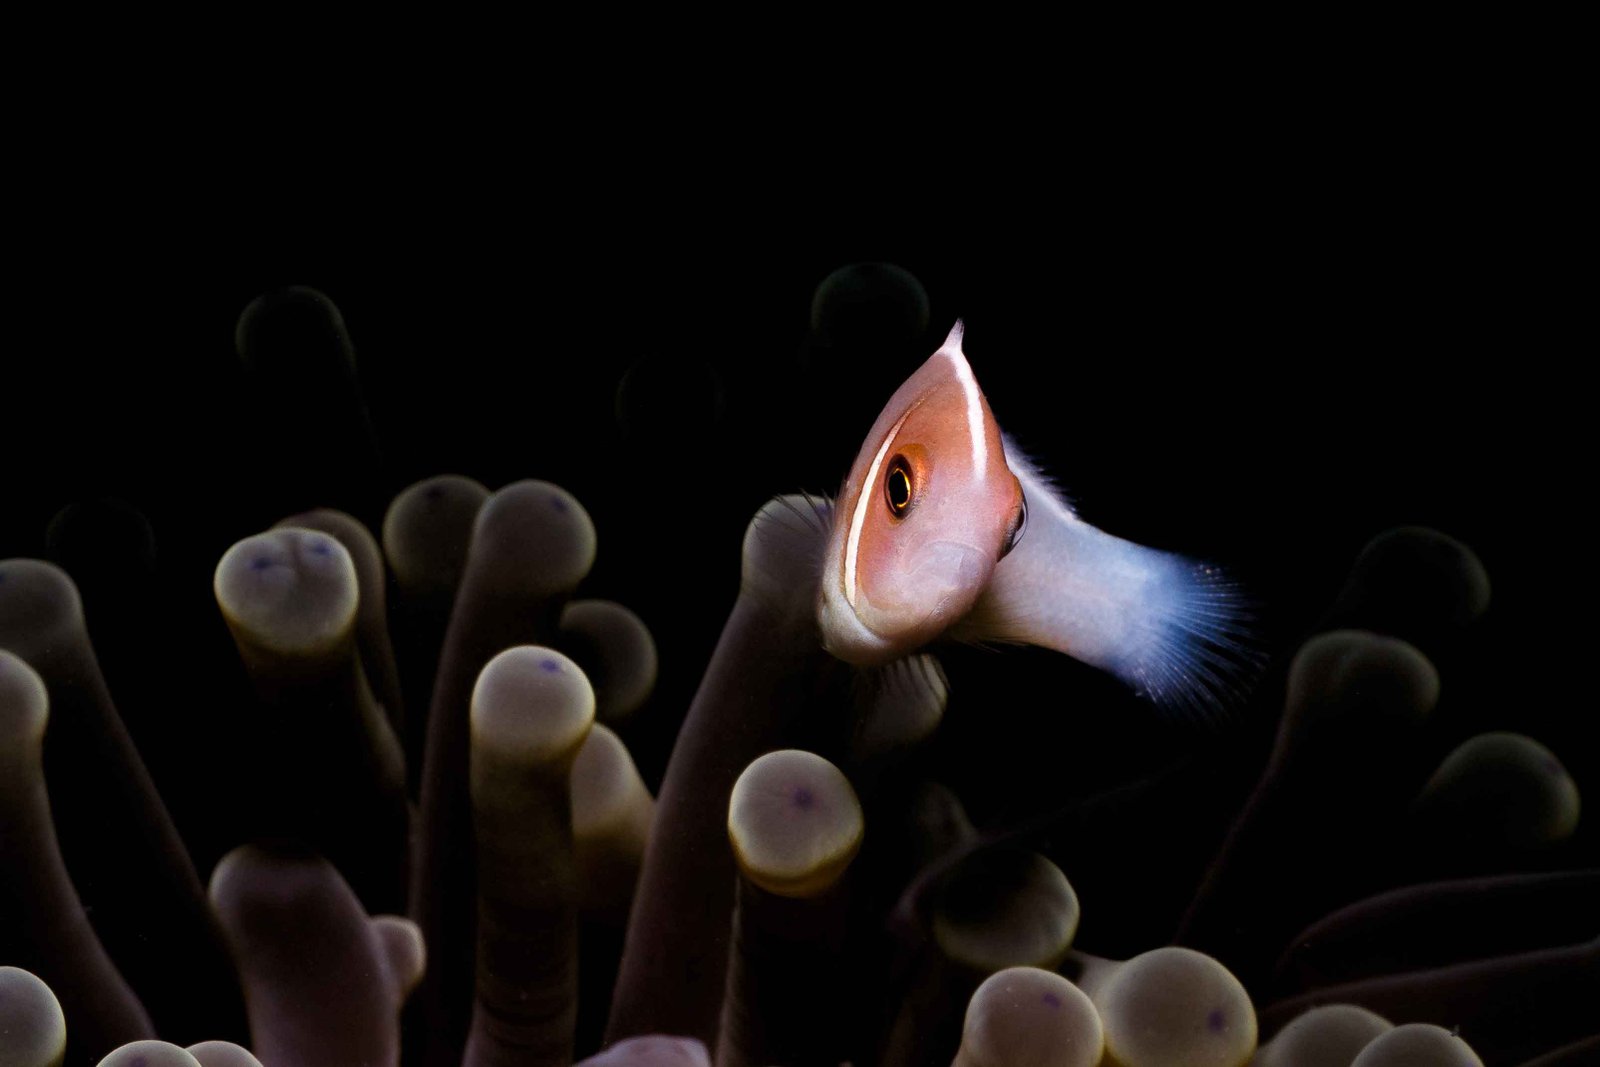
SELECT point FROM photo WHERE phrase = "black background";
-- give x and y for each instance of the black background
(1259, 337)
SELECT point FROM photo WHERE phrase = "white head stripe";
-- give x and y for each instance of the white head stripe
(858, 519)
(969, 387)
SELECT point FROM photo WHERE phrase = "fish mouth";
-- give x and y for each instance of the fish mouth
(957, 571)
(949, 573)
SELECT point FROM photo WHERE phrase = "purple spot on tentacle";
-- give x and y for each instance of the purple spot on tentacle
(1551, 764)
(321, 548)
(1217, 1021)
(550, 665)
(559, 504)
(260, 563)
(435, 492)
(804, 799)
(140, 1061)
(1052, 1000)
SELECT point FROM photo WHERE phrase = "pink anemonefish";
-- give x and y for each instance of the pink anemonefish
(943, 528)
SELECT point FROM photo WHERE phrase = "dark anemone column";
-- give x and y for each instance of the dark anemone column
(324, 982)
(768, 674)
(426, 534)
(332, 773)
(532, 544)
(131, 869)
(794, 825)
(531, 711)
(612, 812)
(1331, 795)
(42, 922)
(312, 436)
(1439, 923)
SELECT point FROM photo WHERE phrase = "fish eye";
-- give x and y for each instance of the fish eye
(1019, 524)
(897, 488)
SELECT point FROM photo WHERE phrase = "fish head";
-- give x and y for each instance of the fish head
(927, 510)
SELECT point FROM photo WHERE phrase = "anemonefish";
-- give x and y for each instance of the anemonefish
(943, 528)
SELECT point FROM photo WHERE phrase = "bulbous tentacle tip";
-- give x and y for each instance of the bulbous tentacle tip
(403, 950)
(32, 1025)
(654, 1050)
(149, 1053)
(222, 1054)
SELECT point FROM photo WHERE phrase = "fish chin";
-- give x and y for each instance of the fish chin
(846, 637)
(944, 581)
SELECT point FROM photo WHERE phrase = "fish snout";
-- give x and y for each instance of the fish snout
(950, 565)
(946, 578)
